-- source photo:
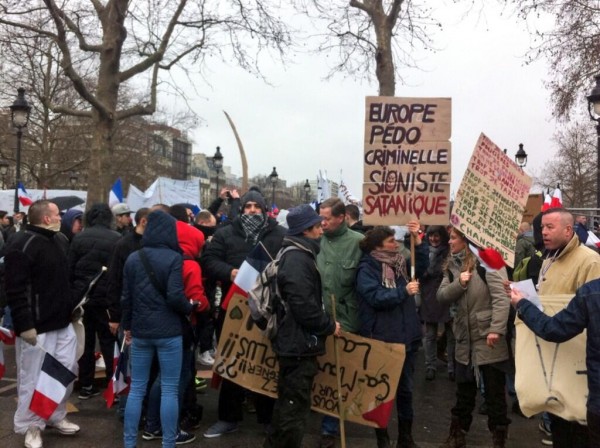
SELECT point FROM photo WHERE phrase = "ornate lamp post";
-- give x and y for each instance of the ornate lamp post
(306, 191)
(273, 176)
(521, 156)
(218, 164)
(594, 110)
(3, 172)
(19, 111)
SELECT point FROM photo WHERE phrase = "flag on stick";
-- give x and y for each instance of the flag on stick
(51, 387)
(121, 379)
(24, 197)
(115, 196)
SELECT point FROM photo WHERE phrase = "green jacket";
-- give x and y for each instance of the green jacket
(338, 263)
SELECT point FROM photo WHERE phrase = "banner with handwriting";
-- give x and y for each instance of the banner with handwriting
(369, 370)
(491, 199)
(407, 160)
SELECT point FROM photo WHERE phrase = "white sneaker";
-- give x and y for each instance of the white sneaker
(65, 427)
(205, 359)
(33, 437)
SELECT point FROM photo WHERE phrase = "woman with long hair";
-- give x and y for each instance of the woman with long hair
(388, 312)
(481, 352)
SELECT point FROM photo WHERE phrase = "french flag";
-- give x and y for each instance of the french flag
(121, 379)
(547, 201)
(51, 387)
(24, 197)
(253, 265)
(489, 258)
(6, 337)
(556, 201)
(115, 196)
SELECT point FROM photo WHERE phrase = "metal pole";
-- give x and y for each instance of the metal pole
(18, 170)
(273, 202)
(217, 195)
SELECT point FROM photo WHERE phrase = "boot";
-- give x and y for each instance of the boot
(405, 439)
(383, 439)
(499, 436)
(456, 439)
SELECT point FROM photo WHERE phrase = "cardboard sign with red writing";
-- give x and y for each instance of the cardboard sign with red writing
(406, 160)
(369, 370)
(491, 199)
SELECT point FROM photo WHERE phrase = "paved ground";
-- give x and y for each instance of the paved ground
(100, 427)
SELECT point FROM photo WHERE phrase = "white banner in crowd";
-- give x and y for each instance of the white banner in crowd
(7, 198)
(165, 191)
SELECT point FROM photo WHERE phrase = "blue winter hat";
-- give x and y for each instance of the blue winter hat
(301, 218)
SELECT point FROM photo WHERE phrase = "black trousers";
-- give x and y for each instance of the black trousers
(292, 407)
(466, 394)
(566, 434)
(95, 322)
(593, 421)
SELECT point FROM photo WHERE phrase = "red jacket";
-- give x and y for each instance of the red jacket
(191, 241)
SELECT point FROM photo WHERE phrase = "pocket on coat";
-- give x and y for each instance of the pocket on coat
(484, 322)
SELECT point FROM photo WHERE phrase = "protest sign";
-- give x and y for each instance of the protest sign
(406, 160)
(369, 370)
(491, 200)
(551, 377)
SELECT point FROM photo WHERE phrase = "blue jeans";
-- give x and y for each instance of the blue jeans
(169, 352)
(154, 397)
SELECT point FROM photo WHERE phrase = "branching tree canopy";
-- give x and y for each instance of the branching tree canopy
(372, 35)
(572, 48)
(105, 44)
(574, 166)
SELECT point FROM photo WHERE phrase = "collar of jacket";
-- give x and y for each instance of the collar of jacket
(341, 230)
(569, 247)
(303, 243)
(44, 232)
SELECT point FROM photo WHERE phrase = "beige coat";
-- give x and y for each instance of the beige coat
(481, 309)
(575, 266)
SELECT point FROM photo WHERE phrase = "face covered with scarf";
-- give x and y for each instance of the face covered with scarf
(253, 220)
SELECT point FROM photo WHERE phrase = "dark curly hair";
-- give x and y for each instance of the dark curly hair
(375, 237)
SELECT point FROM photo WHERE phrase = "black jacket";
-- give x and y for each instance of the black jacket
(228, 250)
(90, 250)
(114, 286)
(37, 281)
(302, 330)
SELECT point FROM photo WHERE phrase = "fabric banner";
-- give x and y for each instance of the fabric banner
(369, 370)
(165, 191)
(551, 377)
(491, 199)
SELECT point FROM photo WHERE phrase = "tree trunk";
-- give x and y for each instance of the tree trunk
(99, 169)
(384, 59)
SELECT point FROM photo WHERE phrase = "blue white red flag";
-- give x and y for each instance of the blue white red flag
(253, 265)
(115, 196)
(24, 197)
(51, 387)
(121, 379)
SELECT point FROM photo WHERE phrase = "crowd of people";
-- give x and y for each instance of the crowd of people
(156, 285)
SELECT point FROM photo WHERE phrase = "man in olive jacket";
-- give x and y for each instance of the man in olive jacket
(338, 262)
(304, 325)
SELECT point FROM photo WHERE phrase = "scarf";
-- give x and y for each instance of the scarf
(459, 258)
(253, 226)
(393, 266)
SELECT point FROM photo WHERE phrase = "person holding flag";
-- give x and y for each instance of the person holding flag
(221, 261)
(41, 303)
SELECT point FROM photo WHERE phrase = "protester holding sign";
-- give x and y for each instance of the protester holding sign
(301, 335)
(482, 308)
(388, 312)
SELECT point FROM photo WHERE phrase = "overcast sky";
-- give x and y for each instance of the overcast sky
(302, 123)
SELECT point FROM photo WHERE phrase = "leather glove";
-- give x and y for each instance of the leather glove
(29, 336)
(77, 314)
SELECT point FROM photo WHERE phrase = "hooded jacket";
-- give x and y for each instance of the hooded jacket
(90, 250)
(302, 330)
(191, 241)
(147, 312)
(66, 222)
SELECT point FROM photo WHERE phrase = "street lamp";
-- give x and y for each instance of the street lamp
(306, 191)
(273, 176)
(218, 164)
(19, 116)
(3, 172)
(594, 103)
(521, 156)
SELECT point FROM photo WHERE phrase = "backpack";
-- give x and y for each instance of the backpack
(529, 267)
(264, 298)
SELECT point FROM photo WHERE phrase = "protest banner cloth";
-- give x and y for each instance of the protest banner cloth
(406, 160)
(369, 370)
(551, 377)
(491, 200)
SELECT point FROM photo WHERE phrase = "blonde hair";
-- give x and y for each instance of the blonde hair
(470, 262)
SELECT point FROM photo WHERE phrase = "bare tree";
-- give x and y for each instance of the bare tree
(372, 35)
(574, 166)
(571, 46)
(104, 45)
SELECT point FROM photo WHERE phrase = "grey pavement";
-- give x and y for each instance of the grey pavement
(100, 427)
